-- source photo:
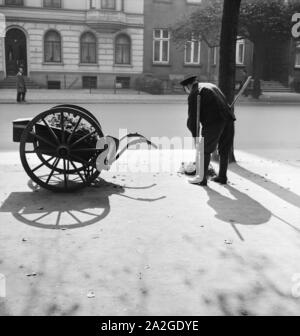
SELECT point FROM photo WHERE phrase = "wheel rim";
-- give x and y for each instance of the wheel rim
(58, 149)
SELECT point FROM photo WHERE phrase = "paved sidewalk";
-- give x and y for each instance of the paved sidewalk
(43, 96)
(148, 243)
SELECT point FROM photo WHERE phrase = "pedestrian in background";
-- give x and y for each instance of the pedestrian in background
(21, 86)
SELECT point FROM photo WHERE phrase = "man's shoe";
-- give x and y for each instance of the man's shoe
(220, 180)
(197, 180)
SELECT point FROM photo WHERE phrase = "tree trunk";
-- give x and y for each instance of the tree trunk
(258, 58)
(229, 31)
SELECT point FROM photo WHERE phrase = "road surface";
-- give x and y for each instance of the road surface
(256, 127)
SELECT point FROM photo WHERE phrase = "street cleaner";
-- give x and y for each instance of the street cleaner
(208, 106)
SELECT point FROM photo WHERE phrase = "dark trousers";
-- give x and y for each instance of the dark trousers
(21, 96)
(218, 136)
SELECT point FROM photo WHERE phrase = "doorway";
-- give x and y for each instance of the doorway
(276, 62)
(15, 51)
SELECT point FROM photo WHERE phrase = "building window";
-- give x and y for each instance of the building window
(88, 48)
(192, 52)
(194, 2)
(89, 82)
(108, 4)
(123, 82)
(215, 55)
(52, 3)
(161, 45)
(122, 49)
(297, 59)
(14, 2)
(92, 4)
(52, 47)
(240, 52)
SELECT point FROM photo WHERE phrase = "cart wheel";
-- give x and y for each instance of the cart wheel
(58, 149)
(78, 108)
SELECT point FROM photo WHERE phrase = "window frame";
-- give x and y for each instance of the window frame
(192, 42)
(240, 42)
(60, 47)
(215, 56)
(130, 50)
(297, 56)
(52, 2)
(161, 39)
(107, 7)
(15, 3)
(194, 2)
(89, 43)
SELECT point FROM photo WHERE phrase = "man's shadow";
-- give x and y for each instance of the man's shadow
(238, 209)
(47, 210)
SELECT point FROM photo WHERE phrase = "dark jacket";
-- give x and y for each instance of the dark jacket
(214, 107)
(21, 86)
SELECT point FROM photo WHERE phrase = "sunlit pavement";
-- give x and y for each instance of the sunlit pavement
(149, 243)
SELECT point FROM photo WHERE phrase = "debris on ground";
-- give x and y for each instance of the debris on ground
(91, 295)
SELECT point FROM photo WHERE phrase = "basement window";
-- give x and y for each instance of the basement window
(89, 82)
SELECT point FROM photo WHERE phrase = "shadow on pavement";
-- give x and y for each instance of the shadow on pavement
(274, 188)
(240, 210)
(47, 210)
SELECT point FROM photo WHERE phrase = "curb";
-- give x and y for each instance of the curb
(143, 101)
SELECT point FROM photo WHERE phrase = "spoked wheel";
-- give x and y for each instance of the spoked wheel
(58, 149)
(79, 108)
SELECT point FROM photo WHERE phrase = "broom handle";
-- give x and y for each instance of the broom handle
(198, 116)
(199, 142)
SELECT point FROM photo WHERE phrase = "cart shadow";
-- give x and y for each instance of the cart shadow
(47, 210)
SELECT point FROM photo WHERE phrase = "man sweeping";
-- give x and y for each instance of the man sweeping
(217, 120)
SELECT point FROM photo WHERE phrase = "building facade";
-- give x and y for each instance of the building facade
(98, 43)
(73, 43)
(279, 61)
(170, 62)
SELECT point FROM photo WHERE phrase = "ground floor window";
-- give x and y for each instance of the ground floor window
(297, 59)
(52, 3)
(123, 82)
(52, 47)
(88, 48)
(240, 52)
(108, 4)
(161, 45)
(215, 55)
(122, 49)
(14, 2)
(89, 82)
(192, 52)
